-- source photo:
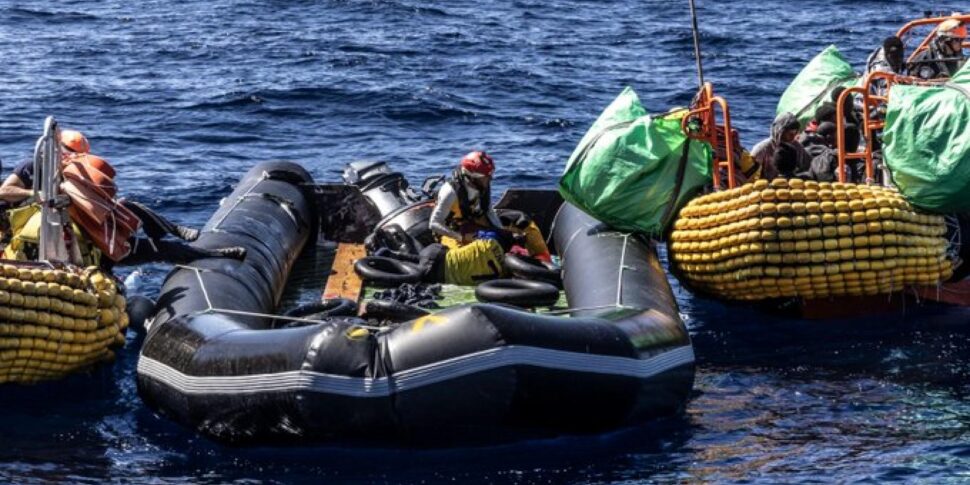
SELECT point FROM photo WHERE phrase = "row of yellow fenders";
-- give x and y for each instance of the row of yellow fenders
(795, 238)
(56, 321)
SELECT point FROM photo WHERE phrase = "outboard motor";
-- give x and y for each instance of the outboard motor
(402, 209)
(387, 190)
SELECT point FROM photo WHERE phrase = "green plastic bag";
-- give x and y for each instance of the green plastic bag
(927, 143)
(630, 169)
(814, 84)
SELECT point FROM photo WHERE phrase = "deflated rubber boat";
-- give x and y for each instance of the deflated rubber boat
(481, 372)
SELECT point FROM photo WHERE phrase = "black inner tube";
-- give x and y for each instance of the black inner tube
(387, 272)
(520, 293)
(529, 268)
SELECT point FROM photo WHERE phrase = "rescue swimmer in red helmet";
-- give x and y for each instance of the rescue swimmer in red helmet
(96, 177)
(463, 206)
(474, 238)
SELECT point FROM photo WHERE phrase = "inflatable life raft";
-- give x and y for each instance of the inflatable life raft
(475, 372)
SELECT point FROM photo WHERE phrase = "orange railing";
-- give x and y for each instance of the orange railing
(870, 124)
(700, 123)
(873, 99)
(840, 134)
(934, 21)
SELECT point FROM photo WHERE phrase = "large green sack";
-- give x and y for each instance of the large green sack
(630, 169)
(927, 143)
(813, 86)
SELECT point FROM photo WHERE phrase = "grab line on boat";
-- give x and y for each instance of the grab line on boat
(212, 309)
(619, 272)
(239, 200)
(619, 285)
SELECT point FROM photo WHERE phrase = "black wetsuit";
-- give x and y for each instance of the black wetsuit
(153, 248)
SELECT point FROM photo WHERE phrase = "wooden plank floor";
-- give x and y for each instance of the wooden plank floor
(343, 281)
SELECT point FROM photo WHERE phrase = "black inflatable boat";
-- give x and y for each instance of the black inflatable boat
(212, 361)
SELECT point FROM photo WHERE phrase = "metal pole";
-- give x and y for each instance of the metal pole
(47, 159)
(697, 44)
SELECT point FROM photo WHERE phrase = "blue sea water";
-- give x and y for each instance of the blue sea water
(184, 96)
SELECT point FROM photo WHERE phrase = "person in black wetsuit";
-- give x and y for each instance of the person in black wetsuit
(16, 190)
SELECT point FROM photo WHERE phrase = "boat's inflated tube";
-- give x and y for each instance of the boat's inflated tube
(479, 372)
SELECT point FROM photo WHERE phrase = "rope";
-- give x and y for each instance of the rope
(619, 279)
(212, 309)
(198, 275)
(264, 176)
(955, 241)
(619, 272)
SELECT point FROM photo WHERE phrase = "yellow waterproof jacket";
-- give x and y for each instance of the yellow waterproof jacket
(25, 231)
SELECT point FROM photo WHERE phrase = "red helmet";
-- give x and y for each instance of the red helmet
(477, 164)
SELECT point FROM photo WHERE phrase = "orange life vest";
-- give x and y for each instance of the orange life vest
(94, 162)
(108, 224)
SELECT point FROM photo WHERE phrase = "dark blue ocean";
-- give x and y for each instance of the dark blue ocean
(183, 97)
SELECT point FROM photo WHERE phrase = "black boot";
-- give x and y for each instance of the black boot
(156, 226)
(186, 233)
(233, 252)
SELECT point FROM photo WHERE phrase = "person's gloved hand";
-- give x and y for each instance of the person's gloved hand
(507, 239)
(519, 251)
